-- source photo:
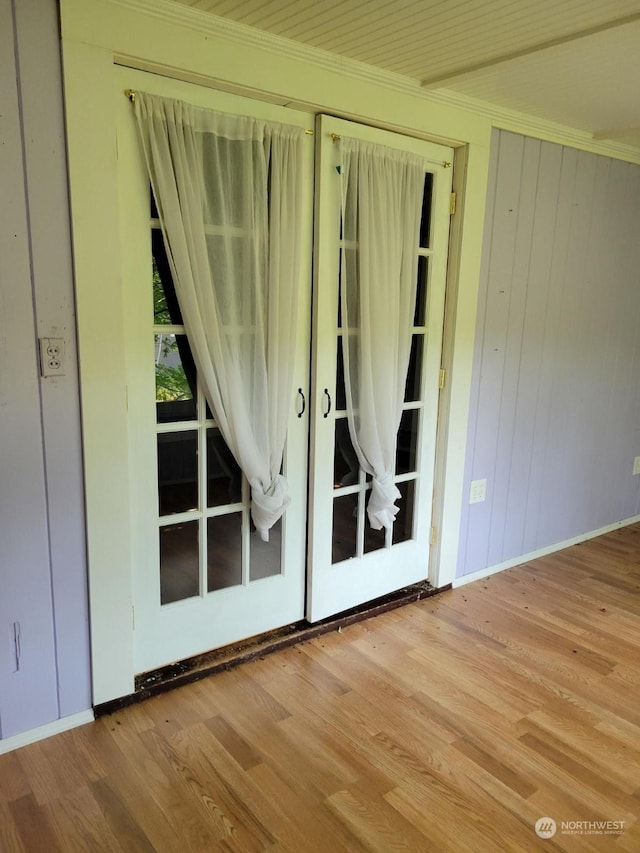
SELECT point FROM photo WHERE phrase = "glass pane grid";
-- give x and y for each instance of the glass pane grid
(168, 329)
(352, 535)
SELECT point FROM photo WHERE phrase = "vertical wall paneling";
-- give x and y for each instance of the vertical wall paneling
(28, 696)
(44, 648)
(555, 410)
(46, 180)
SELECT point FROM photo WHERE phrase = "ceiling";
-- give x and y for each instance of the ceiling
(574, 62)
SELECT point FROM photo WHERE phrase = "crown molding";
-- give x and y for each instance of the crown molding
(530, 125)
(188, 17)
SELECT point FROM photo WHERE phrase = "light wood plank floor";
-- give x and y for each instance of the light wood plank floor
(452, 724)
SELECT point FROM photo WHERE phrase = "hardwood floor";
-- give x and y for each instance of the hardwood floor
(452, 724)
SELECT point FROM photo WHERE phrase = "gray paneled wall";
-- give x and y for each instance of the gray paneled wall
(44, 643)
(555, 411)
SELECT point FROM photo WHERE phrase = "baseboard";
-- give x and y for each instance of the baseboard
(56, 727)
(543, 552)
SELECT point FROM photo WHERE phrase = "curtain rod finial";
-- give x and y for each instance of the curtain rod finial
(131, 95)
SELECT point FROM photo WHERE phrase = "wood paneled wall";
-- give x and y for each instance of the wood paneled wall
(43, 588)
(555, 412)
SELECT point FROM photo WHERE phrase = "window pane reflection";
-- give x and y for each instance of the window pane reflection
(345, 527)
(341, 395)
(165, 303)
(413, 385)
(177, 472)
(224, 551)
(421, 292)
(349, 279)
(403, 526)
(179, 577)
(224, 478)
(265, 557)
(175, 379)
(373, 539)
(425, 223)
(407, 442)
(345, 462)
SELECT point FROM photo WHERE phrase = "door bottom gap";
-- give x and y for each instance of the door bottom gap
(191, 669)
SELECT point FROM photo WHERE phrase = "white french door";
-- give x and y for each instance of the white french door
(202, 578)
(349, 562)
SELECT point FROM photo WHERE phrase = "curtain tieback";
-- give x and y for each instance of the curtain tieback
(381, 508)
(268, 506)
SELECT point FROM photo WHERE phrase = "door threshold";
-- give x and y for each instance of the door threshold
(174, 675)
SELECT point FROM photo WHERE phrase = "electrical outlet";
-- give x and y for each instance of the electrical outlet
(51, 357)
(636, 465)
(478, 491)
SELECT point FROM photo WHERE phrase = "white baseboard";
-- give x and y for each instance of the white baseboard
(542, 552)
(54, 728)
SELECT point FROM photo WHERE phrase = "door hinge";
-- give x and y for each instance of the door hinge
(453, 200)
(433, 536)
(442, 378)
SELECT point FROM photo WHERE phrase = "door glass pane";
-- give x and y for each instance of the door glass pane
(407, 442)
(341, 395)
(345, 462)
(403, 526)
(349, 276)
(373, 539)
(177, 472)
(224, 551)
(224, 477)
(179, 576)
(425, 223)
(165, 302)
(413, 385)
(265, 558)
(340, 283)
(161, 316)
(175, 379)
(345, 527)
(421, 292)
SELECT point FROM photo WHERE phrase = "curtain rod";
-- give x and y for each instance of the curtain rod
(131, 94)
(335, 137)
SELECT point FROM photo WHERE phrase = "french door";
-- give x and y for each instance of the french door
(349, 562)
(202, 577)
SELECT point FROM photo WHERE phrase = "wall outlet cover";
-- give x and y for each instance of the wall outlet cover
(478, 491)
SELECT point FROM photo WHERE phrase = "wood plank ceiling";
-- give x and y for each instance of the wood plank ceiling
(576, 62)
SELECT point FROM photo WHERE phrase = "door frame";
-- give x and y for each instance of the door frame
(147, 35)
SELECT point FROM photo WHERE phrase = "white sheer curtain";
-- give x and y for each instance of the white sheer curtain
(382, 192)
(228, 193)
